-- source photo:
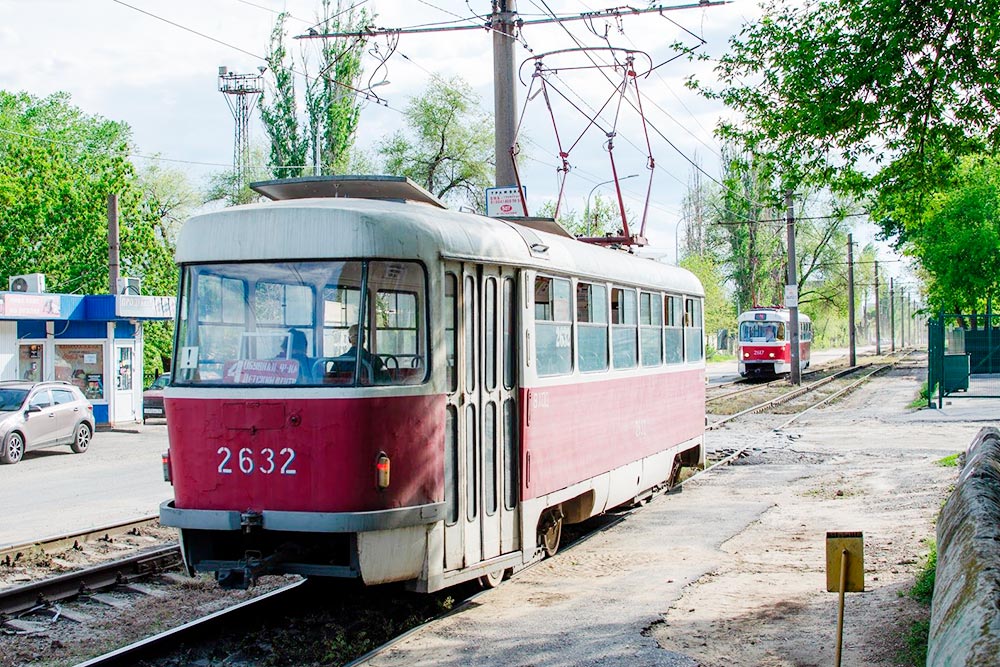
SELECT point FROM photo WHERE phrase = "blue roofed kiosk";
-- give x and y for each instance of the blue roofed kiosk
(93, 341)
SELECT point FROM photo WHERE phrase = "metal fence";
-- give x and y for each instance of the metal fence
(963, 356)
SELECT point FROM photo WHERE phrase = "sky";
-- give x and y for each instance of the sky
(154, 65)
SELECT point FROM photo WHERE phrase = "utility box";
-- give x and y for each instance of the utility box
(956, 373)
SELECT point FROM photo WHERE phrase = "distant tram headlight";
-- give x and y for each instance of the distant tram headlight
(771, 355)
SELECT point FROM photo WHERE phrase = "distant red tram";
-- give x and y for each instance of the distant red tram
(380, 388)
(765, 347)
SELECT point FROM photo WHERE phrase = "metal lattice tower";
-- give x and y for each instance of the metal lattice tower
(242, 92)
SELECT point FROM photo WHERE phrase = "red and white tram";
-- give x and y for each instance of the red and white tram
(765, 342)
(380, 388)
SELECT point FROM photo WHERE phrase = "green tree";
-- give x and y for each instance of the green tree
(448, 145)
(601, 218)
(719, 312)
(57, 168)
(319, 143)
(958, 239)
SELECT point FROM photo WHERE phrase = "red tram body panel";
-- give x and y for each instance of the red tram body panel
(305, 454)
(372, 388)
(561, 424)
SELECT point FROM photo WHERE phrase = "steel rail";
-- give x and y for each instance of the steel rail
(844, 390)
(11, 553)
(43, 593)
(131, 654)
(784, 398)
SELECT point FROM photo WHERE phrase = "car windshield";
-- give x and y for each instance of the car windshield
(160, 382)
(12, 399)
(302, 323)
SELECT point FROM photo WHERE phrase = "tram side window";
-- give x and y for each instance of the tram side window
(553, 326)
(624, 319)
(397, 354)
(673, 333)
(807, 331)
(450, 332)
(592, 327)
(693, 329)
(650, 325)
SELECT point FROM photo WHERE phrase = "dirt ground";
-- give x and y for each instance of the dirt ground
(865, 464)
(732, 570)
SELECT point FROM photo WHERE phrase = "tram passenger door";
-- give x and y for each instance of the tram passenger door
(481, 461)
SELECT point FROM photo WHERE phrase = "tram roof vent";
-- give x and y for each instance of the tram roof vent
(391, 188)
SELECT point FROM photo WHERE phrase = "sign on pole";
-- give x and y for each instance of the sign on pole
(791, 296)
(506, 202)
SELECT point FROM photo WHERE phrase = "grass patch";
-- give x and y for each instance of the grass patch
(949, 461)
(915, 651)
(922, 398)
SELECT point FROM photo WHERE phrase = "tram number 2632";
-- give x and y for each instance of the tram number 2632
(266, 461)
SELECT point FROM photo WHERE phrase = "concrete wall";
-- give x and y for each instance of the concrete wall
(965, 614)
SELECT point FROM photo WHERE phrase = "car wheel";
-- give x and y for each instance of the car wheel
(81, 441)
(13, 450)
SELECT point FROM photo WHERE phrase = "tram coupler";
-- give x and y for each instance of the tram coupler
(245, 573)
(250, 520)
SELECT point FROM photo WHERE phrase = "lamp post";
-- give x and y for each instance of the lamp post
(592, 193)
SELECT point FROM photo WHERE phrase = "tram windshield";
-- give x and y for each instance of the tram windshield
(352, 323)
(762, 332)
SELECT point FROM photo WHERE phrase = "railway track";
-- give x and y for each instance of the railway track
(11, 554)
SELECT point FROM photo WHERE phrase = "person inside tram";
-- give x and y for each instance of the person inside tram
(298, 350)
(368, 360)
(769, 334)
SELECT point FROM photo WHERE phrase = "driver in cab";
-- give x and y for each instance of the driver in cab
(368, 360)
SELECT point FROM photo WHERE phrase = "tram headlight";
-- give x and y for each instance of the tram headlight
(771, 355)
(382, 471)
(746, 355)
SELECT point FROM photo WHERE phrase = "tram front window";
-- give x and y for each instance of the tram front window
(353, 323)
(762, 332)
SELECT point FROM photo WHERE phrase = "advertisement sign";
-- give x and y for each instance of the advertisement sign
(506, 202)
(130, 305)
(29, 305)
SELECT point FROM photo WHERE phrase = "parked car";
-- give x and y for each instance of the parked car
(37, 415)
(152, 398)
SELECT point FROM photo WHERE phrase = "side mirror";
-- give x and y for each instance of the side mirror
(34, 408)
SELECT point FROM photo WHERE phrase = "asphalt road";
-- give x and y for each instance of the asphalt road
(54, 491)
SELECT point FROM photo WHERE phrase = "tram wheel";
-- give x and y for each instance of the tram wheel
(492, 579)
(550, 531)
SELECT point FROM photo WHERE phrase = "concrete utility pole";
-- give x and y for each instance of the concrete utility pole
(792, 291)
(902, 317)
(892, 315)
(850, 301)
(878, 317)
(114, 270)
(504, 91)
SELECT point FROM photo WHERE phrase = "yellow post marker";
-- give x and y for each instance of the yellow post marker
(845, 572)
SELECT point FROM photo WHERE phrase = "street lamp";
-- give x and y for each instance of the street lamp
(592, 192)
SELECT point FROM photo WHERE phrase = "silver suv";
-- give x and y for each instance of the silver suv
(35, 415)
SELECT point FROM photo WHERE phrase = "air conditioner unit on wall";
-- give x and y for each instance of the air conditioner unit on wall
(32, 282)
(129, 286)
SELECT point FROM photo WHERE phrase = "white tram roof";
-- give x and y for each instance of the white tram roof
(347, 228)
(774, 314)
